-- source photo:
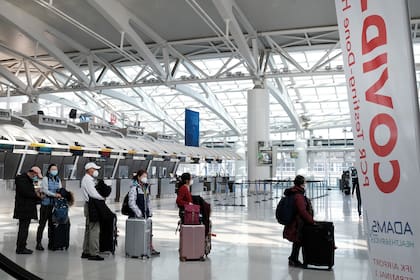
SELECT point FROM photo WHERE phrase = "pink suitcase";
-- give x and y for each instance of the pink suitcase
(191, 242)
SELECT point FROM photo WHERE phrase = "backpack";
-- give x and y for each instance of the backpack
(60, 212)
(125, 209)
(286, 209)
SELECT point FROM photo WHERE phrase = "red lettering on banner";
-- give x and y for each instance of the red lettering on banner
(374, 35)
(391, 185)
(346, 5)
(364, 5)
(375, 63)
(379, 40)
(388, 121)
(385, 150)
(374, 97)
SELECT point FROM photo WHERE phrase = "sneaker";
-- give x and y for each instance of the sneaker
(39, 247)
(95, 258)
(155, 253)
(295, 263)
(24, 252)
(85, 255)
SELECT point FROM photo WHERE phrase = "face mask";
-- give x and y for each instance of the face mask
(54, 172)
(35, 178)
(143, 180)
(95, 173)
(191, 182)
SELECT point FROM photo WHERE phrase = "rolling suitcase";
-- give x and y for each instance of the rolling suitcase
(192, 242)
(60, 236)
(138, 238)
(318, 244)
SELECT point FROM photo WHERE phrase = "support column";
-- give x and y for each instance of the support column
(258, 130)
(301, 163)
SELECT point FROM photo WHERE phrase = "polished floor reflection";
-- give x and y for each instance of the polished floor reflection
(248, 245)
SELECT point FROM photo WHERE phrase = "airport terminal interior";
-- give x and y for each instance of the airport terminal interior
(242, 94)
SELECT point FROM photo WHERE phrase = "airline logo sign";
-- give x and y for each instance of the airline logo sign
(379, 67)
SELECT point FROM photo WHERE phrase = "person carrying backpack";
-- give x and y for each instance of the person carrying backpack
(139, 201)
(304, 214)
(51, 183)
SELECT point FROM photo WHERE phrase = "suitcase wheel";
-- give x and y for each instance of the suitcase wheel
(202, 259)
(182, 259)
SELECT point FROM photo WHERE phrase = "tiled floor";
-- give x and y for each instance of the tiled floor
(248, 245)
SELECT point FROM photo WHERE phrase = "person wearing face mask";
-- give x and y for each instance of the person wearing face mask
(50, 184)
(139, 200)
(25, 205)
(184, 195)
(92, 228)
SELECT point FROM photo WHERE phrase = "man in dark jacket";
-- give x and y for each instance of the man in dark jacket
(25, 205)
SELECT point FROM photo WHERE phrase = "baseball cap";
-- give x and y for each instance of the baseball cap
(90, 165)
(37, 171)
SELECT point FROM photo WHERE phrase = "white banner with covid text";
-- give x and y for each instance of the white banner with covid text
(380, 75)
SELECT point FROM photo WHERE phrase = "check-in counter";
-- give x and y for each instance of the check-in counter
(7, 197)
(197, 188)
(153, 187)
(125, 185)
(113, 184)
(166, 187)
(74, 187)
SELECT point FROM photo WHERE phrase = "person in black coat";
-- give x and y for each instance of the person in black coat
(25, 205)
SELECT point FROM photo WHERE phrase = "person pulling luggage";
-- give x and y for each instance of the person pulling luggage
(139, 201)
(304, 214)
(50, 184)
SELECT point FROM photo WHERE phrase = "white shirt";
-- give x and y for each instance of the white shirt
(88, 188)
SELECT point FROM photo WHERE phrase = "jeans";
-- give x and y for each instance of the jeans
(45, 214)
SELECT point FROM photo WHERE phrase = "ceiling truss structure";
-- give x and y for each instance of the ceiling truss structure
(247, 55)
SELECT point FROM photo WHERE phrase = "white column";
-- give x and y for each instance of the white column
(258, 130)
(301, 163)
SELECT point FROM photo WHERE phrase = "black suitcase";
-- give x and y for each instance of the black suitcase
(108, 235)
(60, 237)
(318, 244)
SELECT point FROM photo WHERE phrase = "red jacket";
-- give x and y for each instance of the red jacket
(304, 214)
(184, 196)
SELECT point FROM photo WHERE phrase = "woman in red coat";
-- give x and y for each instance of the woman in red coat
(304, 214)
(184, 196)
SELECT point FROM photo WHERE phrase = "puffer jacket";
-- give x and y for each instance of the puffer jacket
(304, 214)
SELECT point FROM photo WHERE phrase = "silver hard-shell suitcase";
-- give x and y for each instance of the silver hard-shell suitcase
(138, 238)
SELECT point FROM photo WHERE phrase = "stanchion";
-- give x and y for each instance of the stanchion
(277, 189)
(271, 190)
(257, 190)
(242, 195)
(249, 182)
(265, 191)
(234, 194)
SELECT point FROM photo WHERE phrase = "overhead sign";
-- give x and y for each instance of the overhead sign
(192, 128)
(379, 67)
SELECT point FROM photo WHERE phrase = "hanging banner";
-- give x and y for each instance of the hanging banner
(380, 75)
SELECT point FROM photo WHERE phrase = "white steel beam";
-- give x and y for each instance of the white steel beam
(225, 9)
(121, 18)
(5, 73)
(211, 102)
(147, 105)
(36, 29)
